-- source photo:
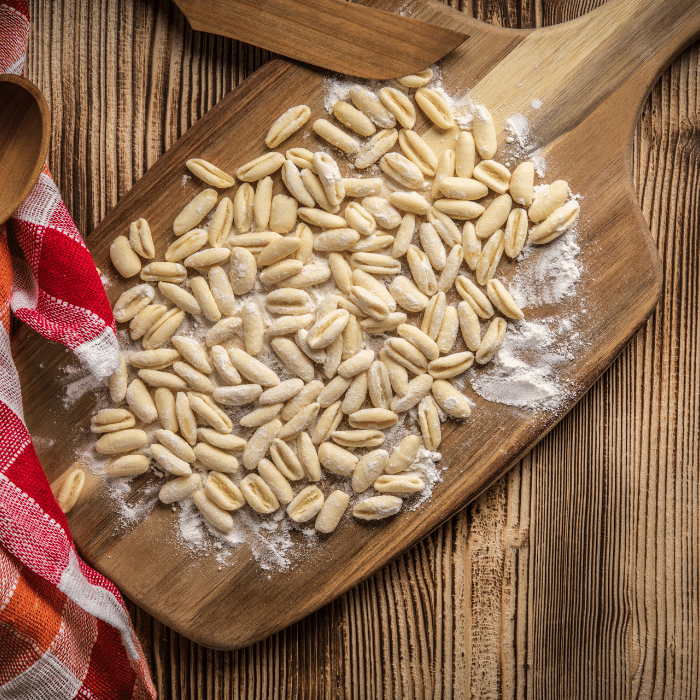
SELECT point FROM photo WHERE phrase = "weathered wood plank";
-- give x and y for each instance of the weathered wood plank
(575, 575)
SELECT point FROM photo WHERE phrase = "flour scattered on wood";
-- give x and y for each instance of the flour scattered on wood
(526, 370)
(79, 382)
(547, 274)
(518, 130)
(426, 467)
(191, 524)
(269, 539)
(336, 89)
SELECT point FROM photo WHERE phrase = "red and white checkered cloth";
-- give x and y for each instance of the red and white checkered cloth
(64, 630)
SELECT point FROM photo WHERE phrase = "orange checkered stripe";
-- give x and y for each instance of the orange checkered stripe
(5, 281)
(49, 642)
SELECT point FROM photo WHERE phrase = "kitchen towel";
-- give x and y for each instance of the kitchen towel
(64, 630)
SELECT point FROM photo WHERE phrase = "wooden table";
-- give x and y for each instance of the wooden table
(576, 574)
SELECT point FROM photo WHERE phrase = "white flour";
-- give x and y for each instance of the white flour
(269, 539)
(78, 387)
(547, 274)
(518, 130)
(336, 89)
(425, 467)
(525, 368)
(78, 382)
(191, 524)
(538, 160)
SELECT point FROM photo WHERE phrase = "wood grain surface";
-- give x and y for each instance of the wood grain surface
(576, 574)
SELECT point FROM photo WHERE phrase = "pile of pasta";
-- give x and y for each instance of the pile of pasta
(338, 293)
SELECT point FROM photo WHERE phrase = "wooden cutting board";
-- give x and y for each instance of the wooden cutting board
(590, 77)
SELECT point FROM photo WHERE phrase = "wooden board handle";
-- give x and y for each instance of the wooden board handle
(628, 34)
(579, 64)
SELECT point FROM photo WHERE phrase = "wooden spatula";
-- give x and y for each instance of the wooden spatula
(333, 34)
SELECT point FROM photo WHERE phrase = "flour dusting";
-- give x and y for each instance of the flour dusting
(547, 274)
(80, 381)
(525, 368)
(518, 130)
(191, 524)
(426, 467)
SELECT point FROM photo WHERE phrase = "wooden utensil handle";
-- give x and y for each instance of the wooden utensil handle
(334, 34)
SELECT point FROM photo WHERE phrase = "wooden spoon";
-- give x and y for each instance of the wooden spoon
(24, 140)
